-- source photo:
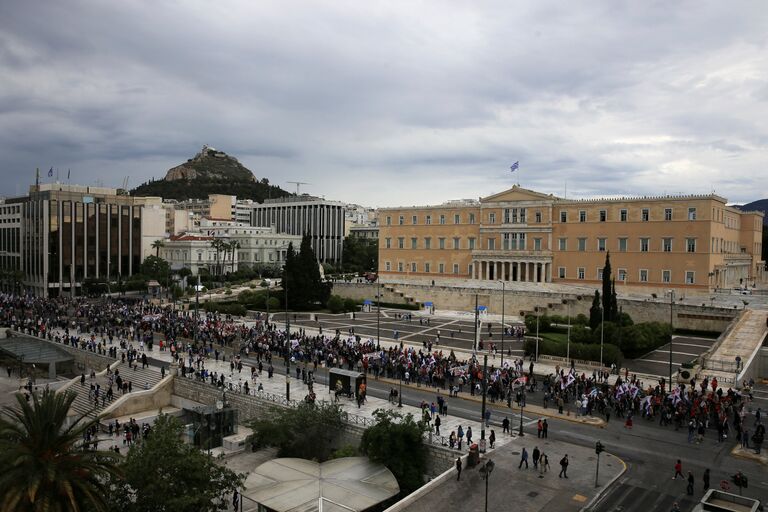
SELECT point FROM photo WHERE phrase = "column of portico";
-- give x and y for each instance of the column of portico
(517, 271)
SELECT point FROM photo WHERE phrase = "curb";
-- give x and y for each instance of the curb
(535, 409)
(607, 486)
(740, 453)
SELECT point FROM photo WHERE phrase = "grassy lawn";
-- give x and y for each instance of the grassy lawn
(558, 337)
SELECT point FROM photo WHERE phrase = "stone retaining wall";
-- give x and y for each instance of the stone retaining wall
(516, 302)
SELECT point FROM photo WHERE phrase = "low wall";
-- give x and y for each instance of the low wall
(138, 401)
(84, 359)
(517, 302)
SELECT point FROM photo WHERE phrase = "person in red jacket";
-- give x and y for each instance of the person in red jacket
(678, 470)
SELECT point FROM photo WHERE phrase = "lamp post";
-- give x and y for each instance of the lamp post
(503, 328)
(288, 346)
(537, 332)
(378, 315)
(400, 393)
(477, 324)
(485, 473)
(522, 406)
(671, 328)
(482, 414)
(568, 342)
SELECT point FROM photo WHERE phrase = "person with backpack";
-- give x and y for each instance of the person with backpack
(564, 467)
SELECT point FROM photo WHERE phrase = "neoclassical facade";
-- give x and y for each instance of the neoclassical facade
(693, 242)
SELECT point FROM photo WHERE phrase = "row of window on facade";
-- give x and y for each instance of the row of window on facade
(643, 275)
(518, 215)
(645, 215)
(426, 267)
(212, 256)
(510, 215)
(510, 242)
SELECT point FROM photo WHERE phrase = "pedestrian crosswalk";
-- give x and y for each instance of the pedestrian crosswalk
(629, 498)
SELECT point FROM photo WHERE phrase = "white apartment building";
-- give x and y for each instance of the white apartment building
(255, 246)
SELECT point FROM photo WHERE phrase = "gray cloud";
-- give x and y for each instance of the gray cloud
(361, 98)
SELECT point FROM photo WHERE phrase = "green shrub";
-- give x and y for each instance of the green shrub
(225, 308)
(345, 451)
(335, 304)
(580, 334)
(589, 352)
(274, 303)
(544, 323)
(350, 305)
(639, 339)
(581, 319)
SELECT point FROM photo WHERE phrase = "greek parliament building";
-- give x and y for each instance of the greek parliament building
(61, 235)
(692, 242)
(295, 215)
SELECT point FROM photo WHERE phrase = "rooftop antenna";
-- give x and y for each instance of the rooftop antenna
(298, 185)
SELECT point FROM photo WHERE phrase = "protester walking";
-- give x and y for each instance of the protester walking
(458, 468)
(678, 470)
(563, 467)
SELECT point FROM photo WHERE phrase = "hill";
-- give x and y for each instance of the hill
(210, 172)
(759, 205)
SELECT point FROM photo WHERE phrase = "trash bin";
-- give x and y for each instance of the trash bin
(474, 456)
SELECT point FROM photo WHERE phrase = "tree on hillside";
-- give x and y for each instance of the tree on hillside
(44, 466)
(164, 473)
(595, 312)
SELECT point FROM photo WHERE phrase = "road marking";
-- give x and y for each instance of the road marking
(579, 498)
(677, 344)
(677, 353)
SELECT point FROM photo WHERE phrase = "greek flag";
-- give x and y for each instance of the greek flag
(515, 166)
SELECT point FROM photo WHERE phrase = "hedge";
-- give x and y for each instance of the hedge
(590, 352)
(225, 308)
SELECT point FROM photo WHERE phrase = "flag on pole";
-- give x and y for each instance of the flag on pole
(515, 166)
(68, 171)
(37, 177)
(50, 172)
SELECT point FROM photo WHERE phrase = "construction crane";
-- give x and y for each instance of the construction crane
(298, 184)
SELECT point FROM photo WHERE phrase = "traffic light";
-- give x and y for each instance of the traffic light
(599, 448)
(740, 480)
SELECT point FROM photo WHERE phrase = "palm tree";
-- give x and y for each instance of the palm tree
(157, 244)
(232, 246)
(45, 468)
(217, 244)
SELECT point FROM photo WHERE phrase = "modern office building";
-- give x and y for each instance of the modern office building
(61, 235)
(323, 220)
(694, 242)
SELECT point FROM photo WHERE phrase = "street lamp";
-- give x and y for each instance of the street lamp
(378, 315)
(482, 414)
(537, 309)
(568, 342)
(503, 328)
(671, 328)
(477, 324)
(288, 346)
(522, 406)
(485, 473)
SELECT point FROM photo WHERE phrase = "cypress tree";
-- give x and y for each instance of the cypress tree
(595, 313)
(607, 296)
(614, 302)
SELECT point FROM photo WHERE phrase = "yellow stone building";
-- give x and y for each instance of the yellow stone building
(692, 242)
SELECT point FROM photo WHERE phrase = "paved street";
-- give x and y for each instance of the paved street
(684, 349)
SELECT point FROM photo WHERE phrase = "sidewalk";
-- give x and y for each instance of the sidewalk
(520, 489)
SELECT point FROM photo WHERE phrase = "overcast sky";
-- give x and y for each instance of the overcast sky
(392, 103)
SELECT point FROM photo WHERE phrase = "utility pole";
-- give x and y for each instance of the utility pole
(598, 450)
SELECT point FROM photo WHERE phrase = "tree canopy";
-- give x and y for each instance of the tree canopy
(397, 442)
(301, 276)
(163, 474)
(307, 431)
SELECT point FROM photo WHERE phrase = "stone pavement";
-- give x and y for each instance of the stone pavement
(511, 488)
